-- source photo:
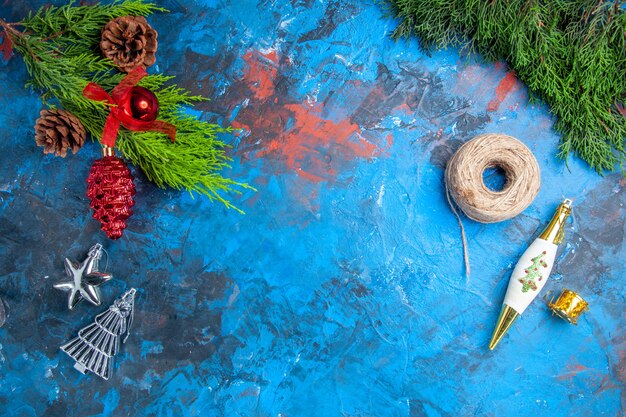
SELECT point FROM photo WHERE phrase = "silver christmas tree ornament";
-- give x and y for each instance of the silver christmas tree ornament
(94, 347)
(84, 278)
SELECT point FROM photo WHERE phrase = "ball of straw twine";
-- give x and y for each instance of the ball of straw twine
(464, 177)
(464, 180)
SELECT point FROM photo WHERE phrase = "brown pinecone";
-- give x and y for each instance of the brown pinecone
(58, 130)
(129, 41)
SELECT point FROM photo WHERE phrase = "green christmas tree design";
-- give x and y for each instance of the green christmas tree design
(533, 272)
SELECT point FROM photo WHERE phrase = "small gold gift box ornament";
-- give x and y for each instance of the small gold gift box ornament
(569, 306)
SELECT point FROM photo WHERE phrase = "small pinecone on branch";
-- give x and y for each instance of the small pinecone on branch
(59, 130)
(130, 42)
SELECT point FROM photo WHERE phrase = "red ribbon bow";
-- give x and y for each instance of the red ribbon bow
(117, 116)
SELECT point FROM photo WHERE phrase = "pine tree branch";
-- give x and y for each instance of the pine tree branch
(570, 53)
(59, 44)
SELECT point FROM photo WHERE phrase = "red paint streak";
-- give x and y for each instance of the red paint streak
(239, 127)
(6, 47)
(507, 84)
(574, 370)
(389, 142)
(309, 147)
(621, 366)
(296, 134)
(260, 72)
(405, 108)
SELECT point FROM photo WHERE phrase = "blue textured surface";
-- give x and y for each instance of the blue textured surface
(341, 291)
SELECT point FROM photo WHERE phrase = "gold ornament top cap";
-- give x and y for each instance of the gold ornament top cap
(554, 230)
(107, 151)
(569, 306)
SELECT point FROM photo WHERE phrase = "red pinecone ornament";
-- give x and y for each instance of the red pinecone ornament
(111, 189)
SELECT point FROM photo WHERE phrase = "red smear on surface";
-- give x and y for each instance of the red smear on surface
(6, 47)
(310, 145)
(506, 85)
(405, 108)
(260, 72)
(296, 134)
(574, 370)
(621, 366)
